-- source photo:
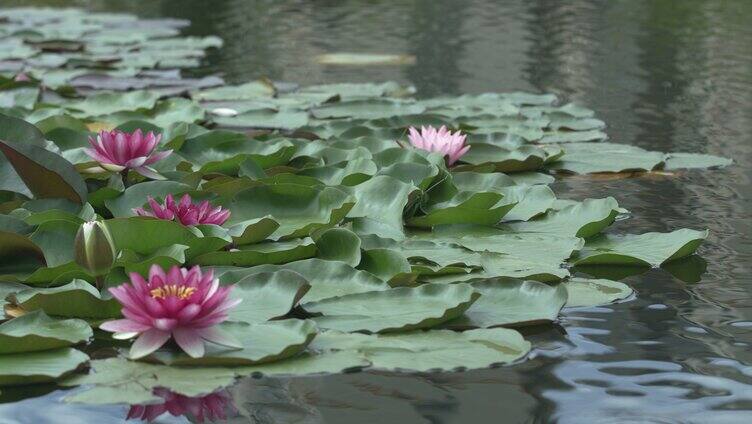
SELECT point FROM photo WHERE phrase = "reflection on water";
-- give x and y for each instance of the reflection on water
(211, 407)
(665, 75)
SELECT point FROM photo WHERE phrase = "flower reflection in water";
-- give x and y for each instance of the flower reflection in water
(212, 407)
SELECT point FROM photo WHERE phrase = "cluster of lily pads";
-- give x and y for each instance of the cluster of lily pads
(349, 247)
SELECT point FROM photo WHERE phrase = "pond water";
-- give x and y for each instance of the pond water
(664, 75)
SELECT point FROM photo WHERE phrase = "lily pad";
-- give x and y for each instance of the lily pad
(267, 342)
(118, 380)
(433, 350)
(36, 331)
(584, 219)
(298, 209)
(381, 200)
(267, 295)
(586, 292)
(327, 278)
(586, 158)
(399, 309)
(649, 249)
(465, 208)
(39, 367)
(512, 303)
(44, 173)
(695, 160)
(367, 109)
(75, 299)
(261, 253)
(339, 244)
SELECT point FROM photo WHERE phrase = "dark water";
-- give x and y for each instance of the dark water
(664, 75)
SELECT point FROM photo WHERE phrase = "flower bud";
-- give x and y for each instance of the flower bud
(94, 248)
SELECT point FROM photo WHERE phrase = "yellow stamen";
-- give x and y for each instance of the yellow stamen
(181, 292)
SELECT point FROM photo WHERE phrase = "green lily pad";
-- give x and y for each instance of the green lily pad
(649, 249)
(525, 158)
(46, 174)
(584, 219)
(399, 309)
(287, 119)
(511, 303)
(465, 208)
(695, 160)
(366, 109)
(144, 235)
(261, 253)
(267, 342)
(389, 265)
(530, 202)
(106, 103)
(39, 367)
(586, 158)
(339, 244)
(586, 292)
(118, 380)
(298, 209)
(36, 331)
(76, 299)
(166, 257)
(517, 255)
(308, 363)
(327, 278)
(267, 295)
(433, 350)
(381, 200)
(224, 151)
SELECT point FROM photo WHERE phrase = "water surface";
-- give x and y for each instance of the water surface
(664, 75)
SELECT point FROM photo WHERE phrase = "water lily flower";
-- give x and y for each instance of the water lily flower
(118, 151)
(451, 145)
(186, 212)
(182, 304)
(211, 407)
(94, 248)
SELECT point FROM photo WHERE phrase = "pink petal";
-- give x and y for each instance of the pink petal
(136, 141)
(149, 173)
(156, 271)
(135, 162)
(121, 294)
(189, 340)
(157, 156)
(97, 156)
(148, 342)
(188, 313)
(165, 324)
(123, 326)
(121, 147)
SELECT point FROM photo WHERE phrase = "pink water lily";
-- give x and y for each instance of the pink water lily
(186, 212)
(183, 304)
(451, 145)
(117, 151)
(211, 407)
